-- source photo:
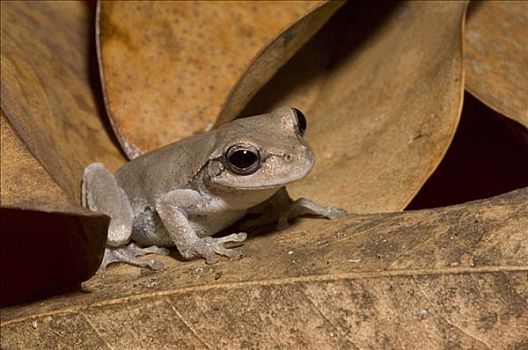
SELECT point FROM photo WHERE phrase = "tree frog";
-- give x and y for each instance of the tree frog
(182, 194)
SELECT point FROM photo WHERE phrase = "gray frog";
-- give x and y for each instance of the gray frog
(183, 193)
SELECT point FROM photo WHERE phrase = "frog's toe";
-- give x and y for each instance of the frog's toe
(335, 213)
(234, 237)
(154, 264)
(136, 250)
(210, 257)
(210, 247)
(231, 253)
(129, 254)
(108, 258)
(304, 206)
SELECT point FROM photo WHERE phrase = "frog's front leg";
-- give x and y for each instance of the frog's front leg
(100, 192)
(301, 207)
(281, 208)
(174, 209)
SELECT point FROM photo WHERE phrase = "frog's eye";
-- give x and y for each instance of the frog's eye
(301, 120)
(243, 159)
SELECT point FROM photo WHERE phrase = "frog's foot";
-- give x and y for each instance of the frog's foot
(304, 206)
(210, 247)
(129, 254)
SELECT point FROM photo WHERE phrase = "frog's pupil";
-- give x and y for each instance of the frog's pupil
(243, 159)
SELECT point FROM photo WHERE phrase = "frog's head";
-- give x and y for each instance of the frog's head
(263, 151)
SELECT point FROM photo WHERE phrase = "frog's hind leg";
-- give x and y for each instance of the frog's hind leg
(101, 192)
(129, 254)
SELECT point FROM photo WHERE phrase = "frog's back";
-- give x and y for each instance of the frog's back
(153, 174)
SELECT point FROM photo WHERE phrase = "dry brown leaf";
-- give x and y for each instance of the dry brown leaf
(50, 131)
(25, 184)
(46, 93)
(440, 278)
(272, 57)
(48, 241)
(383, 114)
(497, 56)
(168, 67)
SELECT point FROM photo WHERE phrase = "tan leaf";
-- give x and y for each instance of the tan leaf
(383, 114)
(454, 277)
(25, 184)
(50, 131)
(497, 56)
(168, 67)
(48, 241)
(46, 93)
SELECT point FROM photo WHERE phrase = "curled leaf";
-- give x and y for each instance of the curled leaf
(50, 131)
(46, 92)
(497, 56)
(48, 242)
(383, 93)
(25, 184)
(168, 67)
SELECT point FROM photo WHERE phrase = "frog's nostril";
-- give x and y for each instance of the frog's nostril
(301, 120)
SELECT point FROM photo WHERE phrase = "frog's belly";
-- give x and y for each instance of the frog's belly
(148, 229)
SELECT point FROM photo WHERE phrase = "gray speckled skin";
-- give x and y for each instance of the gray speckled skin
(187, 191)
